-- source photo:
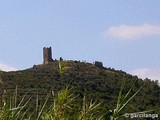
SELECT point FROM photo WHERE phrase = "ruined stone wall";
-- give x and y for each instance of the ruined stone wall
(98, 64)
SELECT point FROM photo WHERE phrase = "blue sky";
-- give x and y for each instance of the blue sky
(123, 34)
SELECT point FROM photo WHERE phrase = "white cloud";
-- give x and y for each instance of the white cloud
(152, 73)
(5, 67)
(127, 32)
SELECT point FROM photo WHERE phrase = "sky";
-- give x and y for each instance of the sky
(123, 34)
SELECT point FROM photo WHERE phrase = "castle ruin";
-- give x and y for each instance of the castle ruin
(47, 55)
(98, 64)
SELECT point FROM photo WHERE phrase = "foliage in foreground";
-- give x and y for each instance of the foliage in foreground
(63, 107)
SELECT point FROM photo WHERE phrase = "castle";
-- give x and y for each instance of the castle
(47, 55)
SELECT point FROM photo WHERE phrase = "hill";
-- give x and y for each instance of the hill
(96, 82)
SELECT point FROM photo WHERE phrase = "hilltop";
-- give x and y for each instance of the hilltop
(96, 82)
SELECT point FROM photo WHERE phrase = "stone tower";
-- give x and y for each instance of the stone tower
(47, 55)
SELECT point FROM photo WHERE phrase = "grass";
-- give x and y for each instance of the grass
(122, 102)
(63, 107)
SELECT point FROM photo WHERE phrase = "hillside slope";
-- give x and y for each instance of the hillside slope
(101, 84)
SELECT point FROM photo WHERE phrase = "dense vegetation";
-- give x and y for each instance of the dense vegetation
(84, 79)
